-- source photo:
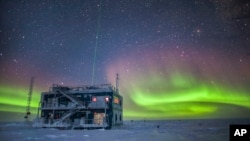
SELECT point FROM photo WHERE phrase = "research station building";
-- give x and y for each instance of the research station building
(90, 106)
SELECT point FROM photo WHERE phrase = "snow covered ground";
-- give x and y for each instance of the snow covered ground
(169, 130)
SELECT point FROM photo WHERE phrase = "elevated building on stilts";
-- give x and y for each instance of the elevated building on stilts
(90, 106)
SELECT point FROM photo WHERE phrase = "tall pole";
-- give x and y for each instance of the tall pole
(29, 98)
(117, 83)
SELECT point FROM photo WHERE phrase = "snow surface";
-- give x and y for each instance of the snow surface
(170, 130)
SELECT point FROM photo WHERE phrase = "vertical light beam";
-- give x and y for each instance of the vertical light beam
(96, 42)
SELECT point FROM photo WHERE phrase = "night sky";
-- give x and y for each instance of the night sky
(182, 59)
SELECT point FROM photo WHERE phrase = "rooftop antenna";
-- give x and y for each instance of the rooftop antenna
(117, 83)
(28, 113)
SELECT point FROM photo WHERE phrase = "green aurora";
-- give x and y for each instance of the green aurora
(172, 87)
(14, 99)
(183, 97)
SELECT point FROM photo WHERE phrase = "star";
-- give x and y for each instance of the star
(15, 60)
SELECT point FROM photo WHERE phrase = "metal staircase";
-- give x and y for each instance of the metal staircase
(73, 110)
(74, 99)
(65, 116)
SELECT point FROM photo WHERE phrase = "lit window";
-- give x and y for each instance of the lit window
(94, 99)
(116, 100)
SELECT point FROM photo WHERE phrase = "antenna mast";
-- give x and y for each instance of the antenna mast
(117, 83)
(29, 99)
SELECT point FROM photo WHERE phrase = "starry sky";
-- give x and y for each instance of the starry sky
(182, 59)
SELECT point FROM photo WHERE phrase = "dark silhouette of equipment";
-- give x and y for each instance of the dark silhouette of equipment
(28, 113)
